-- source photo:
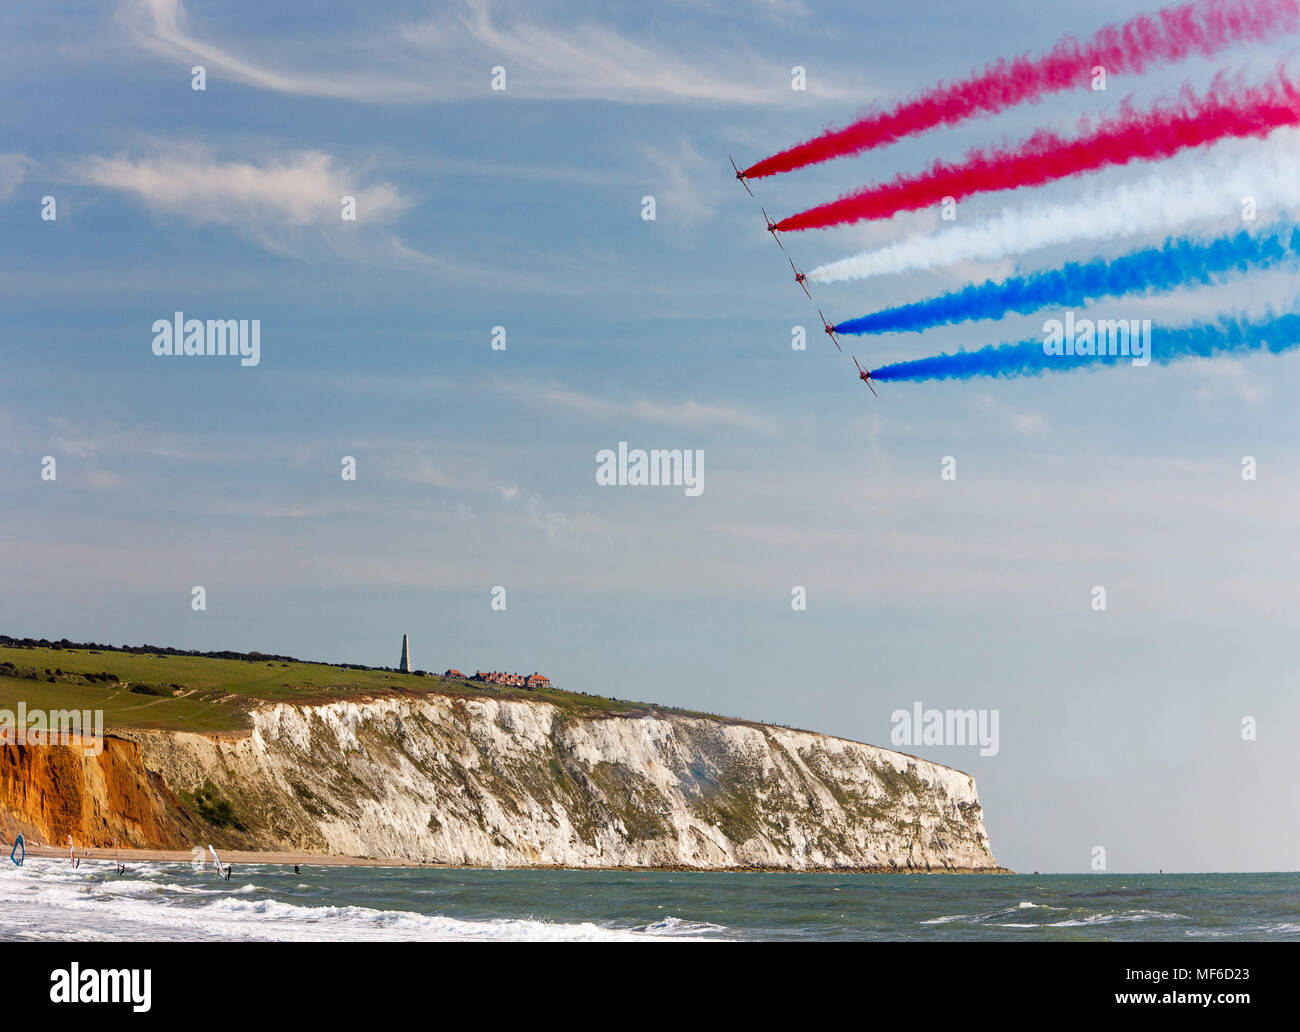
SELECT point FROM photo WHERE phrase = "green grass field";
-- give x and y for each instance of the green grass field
(199, 694)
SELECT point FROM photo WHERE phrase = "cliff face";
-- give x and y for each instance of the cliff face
(50, 792)
(519, 783)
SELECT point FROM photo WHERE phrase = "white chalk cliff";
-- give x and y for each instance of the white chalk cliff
(522, 783)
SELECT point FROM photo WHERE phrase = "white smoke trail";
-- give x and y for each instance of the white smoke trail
(1215, 188)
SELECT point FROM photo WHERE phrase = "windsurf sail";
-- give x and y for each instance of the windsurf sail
(72, 852)
(216, 860)
(198, 859)
(19, 853)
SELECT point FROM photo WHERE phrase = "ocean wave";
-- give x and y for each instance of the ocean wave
(74, 906)
(994, 915)
(1003, 917)
(1282, 929)
(351, 922)
(1130, 915)
(678, 926)
(1016, 911)
(48, 899)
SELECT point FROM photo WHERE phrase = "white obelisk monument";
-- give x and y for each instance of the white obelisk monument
(406, 655)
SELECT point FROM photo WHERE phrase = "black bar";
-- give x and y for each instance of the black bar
(224, 985)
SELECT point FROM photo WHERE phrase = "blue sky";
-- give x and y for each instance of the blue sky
(476, 467)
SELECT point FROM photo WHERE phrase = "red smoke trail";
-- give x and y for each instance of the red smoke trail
(1146, 41)
(1045, 156)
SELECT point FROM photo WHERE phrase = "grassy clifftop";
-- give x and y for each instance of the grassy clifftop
(197, 693)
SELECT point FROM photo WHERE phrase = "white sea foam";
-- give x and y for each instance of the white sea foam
(46, 899)
(1101, 919)
(995, 916)
(678, 927)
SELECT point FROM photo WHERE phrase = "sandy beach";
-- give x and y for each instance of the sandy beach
(233, 856)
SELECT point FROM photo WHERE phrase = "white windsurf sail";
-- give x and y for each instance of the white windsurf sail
(216, 860)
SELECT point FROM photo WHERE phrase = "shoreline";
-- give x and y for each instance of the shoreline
(236, 857)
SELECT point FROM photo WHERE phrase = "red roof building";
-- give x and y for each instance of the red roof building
(531, 682)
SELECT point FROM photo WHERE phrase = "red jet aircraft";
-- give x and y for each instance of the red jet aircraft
(801, 279)
(864, 376)
(741, 176)
(830, 330)
(771, 228)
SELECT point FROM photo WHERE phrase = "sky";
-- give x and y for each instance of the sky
(475, 467)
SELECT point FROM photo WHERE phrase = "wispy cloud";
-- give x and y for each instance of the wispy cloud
(683, 413)
(162, 27)
(295, 189)
(72, 439)
(523, 171)
(1023, 421)
(1227, 378)
(289, 203)
(403, 255)
(687, 185)
(447, 57)
(14, 168)
(102, 480)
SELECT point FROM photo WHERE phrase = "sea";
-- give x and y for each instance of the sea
(47, 899)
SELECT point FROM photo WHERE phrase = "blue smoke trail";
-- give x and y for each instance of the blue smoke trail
(1275, 334)
(1178, 263)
